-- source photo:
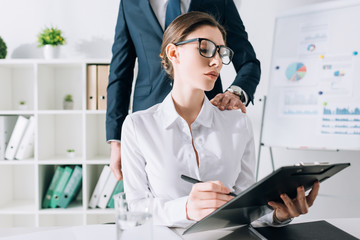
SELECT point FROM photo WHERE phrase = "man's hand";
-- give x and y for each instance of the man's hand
(228, 101)
(205, 198)
(297, 206)
(115, 159)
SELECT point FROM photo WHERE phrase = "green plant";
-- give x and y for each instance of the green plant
(22, 102)
(51, 36)
(70, 150)
(68, 98)
(3, 49)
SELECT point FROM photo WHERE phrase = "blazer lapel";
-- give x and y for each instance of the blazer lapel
(150, 15)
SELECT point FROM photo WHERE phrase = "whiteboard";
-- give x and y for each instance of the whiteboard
(313, 97)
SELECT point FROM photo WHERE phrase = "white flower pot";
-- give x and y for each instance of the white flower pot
(68, 105)
(22, 107)
(51, 52)
(70, 154)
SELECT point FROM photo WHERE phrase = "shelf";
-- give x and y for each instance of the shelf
(98, 161)
(100, 211)
(57, 134)
(43, 84)
(95, 112)
(17, 220)
(17, 84)
(55, 81)
(60, 161)
(18, 188)
(17, 112)
(59, 112)
(71, 209)
(96, 146)
(17, 162)
(27, 61)
(18, 207)
(47, 220)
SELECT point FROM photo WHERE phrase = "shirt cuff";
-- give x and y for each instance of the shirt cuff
(113, 140)
(175, 214)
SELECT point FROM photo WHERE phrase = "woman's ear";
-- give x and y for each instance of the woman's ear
(172, 53)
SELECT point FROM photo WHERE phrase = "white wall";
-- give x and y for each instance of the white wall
(89, 27)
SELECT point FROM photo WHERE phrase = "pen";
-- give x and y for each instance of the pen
(193, 180)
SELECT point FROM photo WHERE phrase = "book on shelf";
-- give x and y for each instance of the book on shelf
(26, 146)
(50, 191)
(72, 188)
(7, 124)
(105, 173)
(91, 85)
(107, 191)
(102, 83)
(119, 188)
(96, 85)
(16, 136)
(60, 186)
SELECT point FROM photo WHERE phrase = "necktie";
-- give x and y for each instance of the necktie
(172, 11)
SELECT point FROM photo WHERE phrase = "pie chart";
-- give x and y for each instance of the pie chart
(295, 72)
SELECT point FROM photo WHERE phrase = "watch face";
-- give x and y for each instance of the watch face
(242, 97)
(238, 91)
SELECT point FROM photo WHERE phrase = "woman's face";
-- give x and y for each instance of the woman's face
(193, 69)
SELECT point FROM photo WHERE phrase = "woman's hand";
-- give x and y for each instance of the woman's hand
(295, 207)
(205, 198)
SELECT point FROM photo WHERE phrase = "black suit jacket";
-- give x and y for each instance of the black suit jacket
(138, 35)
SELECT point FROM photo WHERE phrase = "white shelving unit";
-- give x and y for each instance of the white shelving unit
(23, 183)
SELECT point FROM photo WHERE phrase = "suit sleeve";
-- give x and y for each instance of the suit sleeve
(245, 62)
(120, 78)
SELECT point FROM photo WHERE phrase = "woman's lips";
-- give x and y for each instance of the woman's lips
(212, 75)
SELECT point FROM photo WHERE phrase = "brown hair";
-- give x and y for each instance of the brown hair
(180, 28)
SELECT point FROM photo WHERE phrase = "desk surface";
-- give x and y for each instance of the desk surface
(108, 231)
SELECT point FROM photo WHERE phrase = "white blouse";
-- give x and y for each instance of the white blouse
(157, 148)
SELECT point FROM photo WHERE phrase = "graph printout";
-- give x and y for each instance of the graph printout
(313, 97)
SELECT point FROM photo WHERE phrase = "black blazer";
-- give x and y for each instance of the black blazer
(138, 34)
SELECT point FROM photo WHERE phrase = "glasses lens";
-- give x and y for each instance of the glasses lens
(207, 48)
(226, 55)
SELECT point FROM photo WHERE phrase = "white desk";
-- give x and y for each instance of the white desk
(108, 231)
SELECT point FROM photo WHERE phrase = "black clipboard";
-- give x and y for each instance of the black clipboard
(251, 204)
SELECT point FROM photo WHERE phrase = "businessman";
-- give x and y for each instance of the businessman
(138, 34)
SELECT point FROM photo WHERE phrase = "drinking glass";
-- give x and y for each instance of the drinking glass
(133, 223)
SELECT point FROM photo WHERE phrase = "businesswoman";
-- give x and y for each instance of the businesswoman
(186, 134)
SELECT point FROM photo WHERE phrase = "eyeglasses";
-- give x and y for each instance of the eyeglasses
(208, 48)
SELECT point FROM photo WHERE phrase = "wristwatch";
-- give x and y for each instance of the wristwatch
(238, 92)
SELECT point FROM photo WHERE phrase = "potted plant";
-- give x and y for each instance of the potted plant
(22, 105)
(3, 49)
(51, 39)
(68, 102)
(70, 153)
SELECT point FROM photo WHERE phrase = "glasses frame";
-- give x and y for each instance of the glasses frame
(217, 48)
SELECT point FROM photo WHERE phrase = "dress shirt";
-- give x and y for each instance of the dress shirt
(159, 8)
(157, 148)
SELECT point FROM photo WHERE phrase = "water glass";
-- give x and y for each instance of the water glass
(133, 223)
